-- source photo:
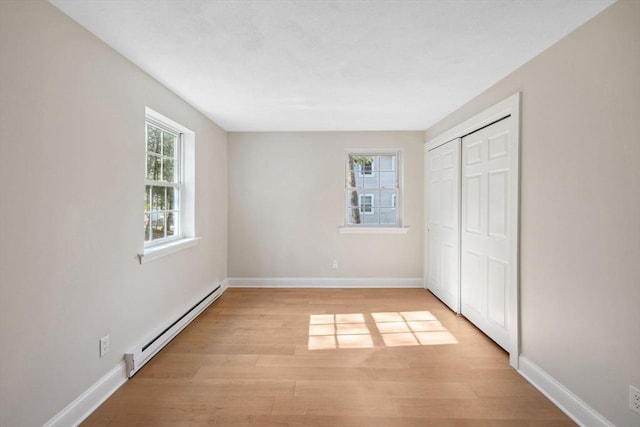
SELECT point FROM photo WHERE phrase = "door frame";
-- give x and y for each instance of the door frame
(510, 106)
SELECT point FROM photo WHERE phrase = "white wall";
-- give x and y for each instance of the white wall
(580, 207)
(286, 202)
(71, 181)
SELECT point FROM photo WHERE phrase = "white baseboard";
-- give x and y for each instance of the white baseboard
(563, 398)
(155, 342)
(84, 405)
(89, 401)
(325, 282)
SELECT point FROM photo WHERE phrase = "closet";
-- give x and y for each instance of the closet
(471, 194)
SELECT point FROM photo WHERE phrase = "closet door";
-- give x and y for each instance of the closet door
(485, 231)
(443, 222)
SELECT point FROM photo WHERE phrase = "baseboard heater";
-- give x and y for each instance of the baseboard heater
(142, 355)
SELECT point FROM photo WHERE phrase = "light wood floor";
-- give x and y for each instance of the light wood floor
(329, 357)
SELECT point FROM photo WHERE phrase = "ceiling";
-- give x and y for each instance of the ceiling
(302, 65)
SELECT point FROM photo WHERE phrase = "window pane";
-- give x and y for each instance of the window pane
(353, 216)
(153, 139)
(172, 198)
(168, 172)
(350, 177)
(147, 221)
(366, 203)
(371, 181)
(172, 228)
(147, 198)
(350, 172)
(157, 225)
(354, 180)
(168, 144)
(158, 202)
(387, 216)
(363, 165)
(367, 166)
(153, 167)
(387, 163)
(352, 199)
(354, 161)
(361, 171)
(388, 180)
(387, 199)
(371, 218)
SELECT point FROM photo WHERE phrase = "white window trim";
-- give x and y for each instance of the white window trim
(187, 237)
(394, 201)
(158, 251)
(372, 230)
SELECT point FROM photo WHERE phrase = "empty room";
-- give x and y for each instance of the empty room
(320, 213)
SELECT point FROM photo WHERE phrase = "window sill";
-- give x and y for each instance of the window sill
(373, 230)
(159, 251)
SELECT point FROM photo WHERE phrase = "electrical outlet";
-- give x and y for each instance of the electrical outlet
(105, 345)
(634, 399)
(335, 264)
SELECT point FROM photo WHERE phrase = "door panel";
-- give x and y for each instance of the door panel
(443, 223)
(472, 296)
(472, 207)
(498, 193)
(485, 227)
(497, 287)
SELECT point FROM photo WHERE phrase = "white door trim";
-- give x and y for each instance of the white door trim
(507, 107)
(504, 108)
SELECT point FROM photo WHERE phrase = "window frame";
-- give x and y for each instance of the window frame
(185, 170)
(177, 184)
(397, 168)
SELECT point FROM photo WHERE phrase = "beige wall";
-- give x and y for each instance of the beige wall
(580, 207)
(286, 202)
(71, 178)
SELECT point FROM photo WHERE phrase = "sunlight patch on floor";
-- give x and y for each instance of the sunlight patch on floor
(402, 328)
(331, 331)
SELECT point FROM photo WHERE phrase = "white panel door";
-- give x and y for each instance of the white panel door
(485, 229)
(443, 222)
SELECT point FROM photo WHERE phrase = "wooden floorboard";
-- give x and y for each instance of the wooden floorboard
(329, 357)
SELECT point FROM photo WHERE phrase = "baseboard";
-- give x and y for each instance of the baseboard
(563, 398)
(155, 342)
(89, 401)
(325, 282)
(84, 405)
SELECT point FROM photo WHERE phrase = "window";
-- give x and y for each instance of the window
(163, 184)
(372, 189)
(365, 168)
(366, 204)
(169, 191)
